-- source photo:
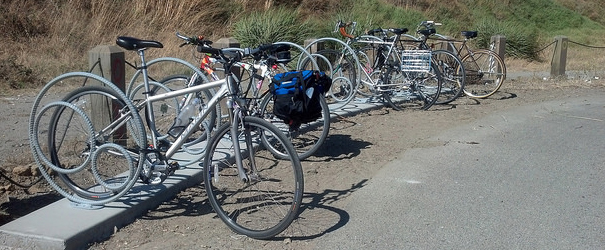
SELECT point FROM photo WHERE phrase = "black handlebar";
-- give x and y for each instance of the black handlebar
(203, 46)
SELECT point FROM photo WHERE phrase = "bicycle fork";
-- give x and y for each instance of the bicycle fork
(236, 116)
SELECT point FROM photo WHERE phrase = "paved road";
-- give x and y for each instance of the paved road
(528, 178)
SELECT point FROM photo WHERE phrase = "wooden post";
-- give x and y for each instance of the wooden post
(108, 62)
(499, 42)
(557, 66)
(316, 47)
(227, 42)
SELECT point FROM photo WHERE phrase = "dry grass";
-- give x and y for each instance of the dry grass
(53, 37)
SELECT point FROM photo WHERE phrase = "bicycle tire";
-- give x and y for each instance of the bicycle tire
(307, 139)
(253, 208)
(342, 91)
(421, 93)
(366, 88)
(452, 74)
(106, 180)
(485, 73)
(175, 82)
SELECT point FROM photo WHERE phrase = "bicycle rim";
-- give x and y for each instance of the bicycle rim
(267, 204)
(485, 72)
(415, 90)
(452, 74)
(343, 76)
(307, 139)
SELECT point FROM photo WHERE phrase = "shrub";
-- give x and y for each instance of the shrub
(17, 76)
(521, 42)
(274, 25)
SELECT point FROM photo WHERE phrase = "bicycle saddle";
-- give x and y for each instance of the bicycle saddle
(374, 31)
(427, 32)
(131, 43)
(399, 31)
(469, 34)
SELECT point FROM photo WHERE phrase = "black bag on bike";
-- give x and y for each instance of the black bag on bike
(296, 95)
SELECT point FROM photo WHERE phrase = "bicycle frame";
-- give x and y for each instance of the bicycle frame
(371, 40)
(199, 118)
(228, 89)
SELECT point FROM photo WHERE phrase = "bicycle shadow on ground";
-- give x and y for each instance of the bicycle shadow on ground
(190, 202)
(502, 95)
(468, 101)
(338, 147)
(317, 216)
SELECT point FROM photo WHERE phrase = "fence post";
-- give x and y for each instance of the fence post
(316, 47)
(227, 42)
(107, 61)
(557, 66)
(499, 42)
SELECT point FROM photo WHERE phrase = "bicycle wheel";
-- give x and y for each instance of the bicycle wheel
(95, 162)
(343, 76)
(367, 57)
(265, 204)
(485, 72)
(412, 90)
(306, 139)
(452, 73)
(176, 82)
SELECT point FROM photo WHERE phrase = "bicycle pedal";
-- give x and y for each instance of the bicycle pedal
(173, 166)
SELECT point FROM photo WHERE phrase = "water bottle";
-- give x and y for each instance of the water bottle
(185, 117)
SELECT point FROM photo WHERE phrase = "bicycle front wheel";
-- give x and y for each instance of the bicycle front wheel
(306, 139)
(342, 70)
(412, 90)
(452, 74)
(485, 72)
(264, 199)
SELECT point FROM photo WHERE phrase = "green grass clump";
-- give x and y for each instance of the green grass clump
(521, 41)
(274, 25)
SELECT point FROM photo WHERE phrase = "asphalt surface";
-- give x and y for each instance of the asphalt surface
(529, 178)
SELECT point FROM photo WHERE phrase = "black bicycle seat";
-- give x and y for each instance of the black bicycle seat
(399, 31)
(469, 34)
(131, 43)
(427, 32)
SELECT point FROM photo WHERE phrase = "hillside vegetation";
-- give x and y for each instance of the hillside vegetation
(44, 38)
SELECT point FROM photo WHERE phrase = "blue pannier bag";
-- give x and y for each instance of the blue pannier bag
(296, 96)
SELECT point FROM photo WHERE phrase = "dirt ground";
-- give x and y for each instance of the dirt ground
(357, 147)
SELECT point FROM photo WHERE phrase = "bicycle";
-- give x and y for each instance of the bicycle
(253, 192)
(344, 65)
(485, 70)
(400, 86)
(404, 78)
(307, 138)
(450, 66)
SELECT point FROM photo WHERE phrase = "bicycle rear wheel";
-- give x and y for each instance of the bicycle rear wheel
(165, 119)
(343, 74)
(412, 90)
(265, 203)
(307, 138)
(485, 72)
(452, 73)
